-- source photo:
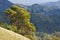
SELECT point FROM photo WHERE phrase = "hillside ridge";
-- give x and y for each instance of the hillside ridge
(9, 35)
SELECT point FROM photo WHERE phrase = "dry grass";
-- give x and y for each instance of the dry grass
(9, 35)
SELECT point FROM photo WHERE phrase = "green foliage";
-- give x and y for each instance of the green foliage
(20, 18)
(9, 27)
(31, 37)
(45, 36)
(49, 37)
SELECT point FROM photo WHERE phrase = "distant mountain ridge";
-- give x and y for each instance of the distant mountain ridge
(45, 17)
(52, 4)
(43, 8)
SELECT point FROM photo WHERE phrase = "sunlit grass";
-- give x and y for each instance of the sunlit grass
(9, 35)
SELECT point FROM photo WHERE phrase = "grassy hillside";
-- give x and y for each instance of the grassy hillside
(9, 35)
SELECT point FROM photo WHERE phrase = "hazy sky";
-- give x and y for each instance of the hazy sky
(29, 2)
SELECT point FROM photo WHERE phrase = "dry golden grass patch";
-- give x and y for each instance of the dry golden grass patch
(9, 35)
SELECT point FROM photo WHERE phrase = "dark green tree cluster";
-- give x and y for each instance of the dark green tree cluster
(20, 18)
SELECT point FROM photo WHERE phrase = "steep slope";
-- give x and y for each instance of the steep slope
(9, 35)
(46, 23)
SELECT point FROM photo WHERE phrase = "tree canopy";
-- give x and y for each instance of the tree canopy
(20, 18)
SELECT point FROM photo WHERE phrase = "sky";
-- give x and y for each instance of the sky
(30, 2)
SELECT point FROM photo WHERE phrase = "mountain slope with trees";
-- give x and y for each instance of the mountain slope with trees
(42, 15)
(45, 18)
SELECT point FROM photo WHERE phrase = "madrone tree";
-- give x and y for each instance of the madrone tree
(20, 18)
